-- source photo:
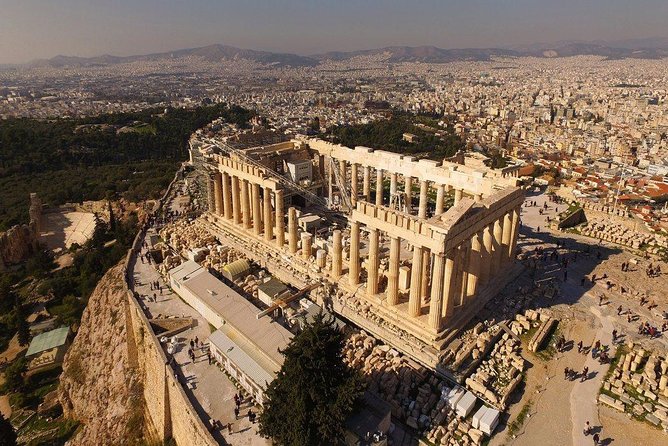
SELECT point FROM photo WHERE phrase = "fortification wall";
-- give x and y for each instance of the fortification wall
(169, 412)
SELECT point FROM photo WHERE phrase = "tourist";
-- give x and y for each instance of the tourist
(585, 372)
(619, 310)
(229, 428)
(580, 347)
(614, 335)
(596, 438)
(567, 372)
(236, 412)
(196, 341)
(587, 429)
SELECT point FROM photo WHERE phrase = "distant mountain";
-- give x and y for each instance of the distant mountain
(430, 54)
(653, 48)
(649, 48)
(211, 53)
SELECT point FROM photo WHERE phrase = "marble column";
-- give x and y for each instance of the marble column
(322, 171)
(393, 183)
(514, 234)
(416, 285)
(440, 199)
(236, 202)
(218, 193)
(257, 218)
(424, 281)
(366, 185)
(280, 218)
(307, 242)
(342, 172)
(245, 204)
(354, 180)
(268, 226)
(379, 187)
(474, 265)
(330, 180)
(458, 195)
(436, 301)
(486, 255)
(449, 284)
(464, 252)
(408, 190)
(354, 260)
(292, 230)
(506, 237)
(337, 254)
(393, 272)
(372, 264)
(496, 247)
(424, 187)
(227, 196)
(211, 194)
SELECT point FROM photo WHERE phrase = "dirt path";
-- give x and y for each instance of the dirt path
(627, 431)
(584, 395)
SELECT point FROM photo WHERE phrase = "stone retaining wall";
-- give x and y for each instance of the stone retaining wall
(169, 411)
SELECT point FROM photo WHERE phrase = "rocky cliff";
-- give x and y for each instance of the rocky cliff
(17, 244)
(98, 387)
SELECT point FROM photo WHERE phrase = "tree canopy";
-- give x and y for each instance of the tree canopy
(7, 433)
(387, 134)
(133, 155)
(314, 391)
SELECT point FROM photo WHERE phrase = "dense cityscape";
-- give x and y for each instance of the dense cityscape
(398, 246)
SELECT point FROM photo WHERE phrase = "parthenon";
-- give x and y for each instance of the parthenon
(411, 275)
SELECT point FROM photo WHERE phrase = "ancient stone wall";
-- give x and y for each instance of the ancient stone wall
(116, 378)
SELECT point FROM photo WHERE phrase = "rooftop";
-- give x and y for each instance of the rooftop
(47, 341)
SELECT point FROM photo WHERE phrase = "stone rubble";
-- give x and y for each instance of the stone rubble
(638, 384)
(616, 233)
(415, 394)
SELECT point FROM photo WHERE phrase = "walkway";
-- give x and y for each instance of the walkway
(584, 396)
(209, 389)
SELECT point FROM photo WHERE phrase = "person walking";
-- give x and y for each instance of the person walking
(585, 372)
(587, 429)
(596, 439)
(236, 413)
(580, 347)
(229, 428)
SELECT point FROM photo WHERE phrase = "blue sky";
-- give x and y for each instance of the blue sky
(43, 28)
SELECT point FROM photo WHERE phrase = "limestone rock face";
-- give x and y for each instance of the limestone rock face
(17, 244)
(97, 386)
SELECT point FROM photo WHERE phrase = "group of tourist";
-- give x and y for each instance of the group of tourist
(588, 430)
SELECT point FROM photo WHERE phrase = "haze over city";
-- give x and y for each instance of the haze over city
(34, 29)
(336, 223)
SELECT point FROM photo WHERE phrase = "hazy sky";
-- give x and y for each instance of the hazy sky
(44, 28)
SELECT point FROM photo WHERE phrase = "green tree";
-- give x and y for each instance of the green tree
(7, 433)
(314, 391)
(22, 327)
(14, 376)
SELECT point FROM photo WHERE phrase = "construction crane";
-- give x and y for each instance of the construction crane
(282, 302)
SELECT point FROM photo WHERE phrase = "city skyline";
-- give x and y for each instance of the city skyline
(86, 29)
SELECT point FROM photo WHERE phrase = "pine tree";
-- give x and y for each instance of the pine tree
(314, 391)
(7, 434)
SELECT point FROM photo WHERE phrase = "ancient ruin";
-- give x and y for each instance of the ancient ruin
(312, 211)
